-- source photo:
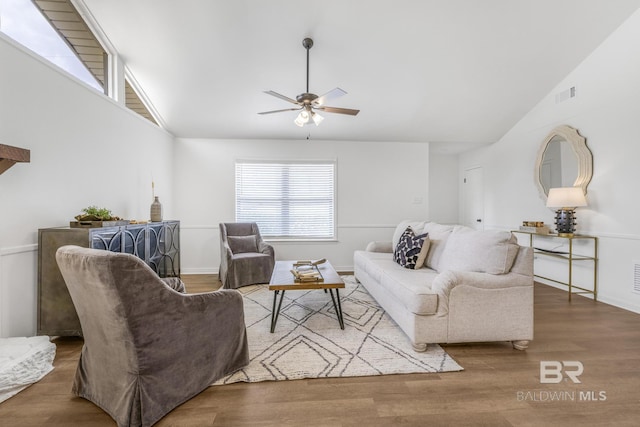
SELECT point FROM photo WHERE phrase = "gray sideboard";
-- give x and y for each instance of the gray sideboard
(157, 243)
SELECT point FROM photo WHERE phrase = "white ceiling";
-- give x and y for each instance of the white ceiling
(459, 73)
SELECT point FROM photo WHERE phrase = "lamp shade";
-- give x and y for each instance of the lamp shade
(566, 197)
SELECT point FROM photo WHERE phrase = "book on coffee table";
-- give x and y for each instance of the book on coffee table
(306, 273)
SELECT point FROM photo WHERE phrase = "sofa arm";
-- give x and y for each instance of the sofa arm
(447, 280)
(386, 247)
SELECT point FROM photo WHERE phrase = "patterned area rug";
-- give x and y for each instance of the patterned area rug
(308, 341)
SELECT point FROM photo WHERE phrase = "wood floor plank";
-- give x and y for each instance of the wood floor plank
(497, 388)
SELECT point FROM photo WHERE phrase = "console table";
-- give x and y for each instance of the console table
(570, 257)
(156, 243)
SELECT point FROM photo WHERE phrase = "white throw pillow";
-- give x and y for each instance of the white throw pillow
(488, 251)
(424, 251)
(438, 234)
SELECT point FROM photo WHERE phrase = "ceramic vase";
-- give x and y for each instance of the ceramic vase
(156, 210)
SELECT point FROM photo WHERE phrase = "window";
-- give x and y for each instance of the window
(288, 200)
(133, 102)
(25, 23)
(56, 30)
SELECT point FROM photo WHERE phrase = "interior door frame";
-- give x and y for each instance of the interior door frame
(467, 200)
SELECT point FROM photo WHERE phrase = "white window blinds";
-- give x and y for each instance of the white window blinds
(293, 200)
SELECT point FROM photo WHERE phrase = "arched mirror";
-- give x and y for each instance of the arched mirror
(564, 160)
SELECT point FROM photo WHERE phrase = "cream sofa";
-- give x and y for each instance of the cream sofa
(475, 286)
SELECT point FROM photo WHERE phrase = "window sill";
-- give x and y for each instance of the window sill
(301, 240)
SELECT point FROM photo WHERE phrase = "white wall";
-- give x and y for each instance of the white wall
(606, 110)
(443, 188)
(378, 185)
(85, 150)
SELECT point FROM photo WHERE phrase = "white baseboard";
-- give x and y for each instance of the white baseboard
(615, 302)
(198, 271)
(619, 303)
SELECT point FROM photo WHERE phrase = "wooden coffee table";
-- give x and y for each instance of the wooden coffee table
(282, 280)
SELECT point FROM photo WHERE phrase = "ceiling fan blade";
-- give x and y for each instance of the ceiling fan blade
(280, 111)
(348, 111)
(277, 95)
(332, 94)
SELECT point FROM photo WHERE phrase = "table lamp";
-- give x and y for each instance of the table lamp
(567, 199)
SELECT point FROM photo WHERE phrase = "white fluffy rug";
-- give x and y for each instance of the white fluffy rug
(23, 361)
(308, 341)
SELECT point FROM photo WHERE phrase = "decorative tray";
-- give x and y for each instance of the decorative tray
(306, 272)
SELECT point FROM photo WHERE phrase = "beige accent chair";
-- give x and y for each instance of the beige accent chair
(147, 347)
(245, 259)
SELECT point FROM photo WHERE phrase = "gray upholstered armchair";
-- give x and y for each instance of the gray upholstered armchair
(147, 347)
(245, 259)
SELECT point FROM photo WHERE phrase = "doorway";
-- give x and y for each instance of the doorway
(473, 198)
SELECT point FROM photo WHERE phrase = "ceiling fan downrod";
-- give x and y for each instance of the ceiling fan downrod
(308, 44)
(305, 99)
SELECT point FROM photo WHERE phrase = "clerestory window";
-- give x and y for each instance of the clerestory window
(25, 23)
(56, 31)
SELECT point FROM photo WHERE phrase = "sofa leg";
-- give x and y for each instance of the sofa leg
(419, 347)
(520, 345)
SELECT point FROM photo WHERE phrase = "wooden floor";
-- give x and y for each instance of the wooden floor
(499, 386)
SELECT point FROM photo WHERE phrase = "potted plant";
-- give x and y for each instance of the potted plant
(93, 216)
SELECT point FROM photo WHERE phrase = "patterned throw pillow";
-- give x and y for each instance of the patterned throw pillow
(407, 252)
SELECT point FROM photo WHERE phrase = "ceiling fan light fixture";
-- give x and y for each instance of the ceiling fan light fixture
(317, 118)
(302, 119)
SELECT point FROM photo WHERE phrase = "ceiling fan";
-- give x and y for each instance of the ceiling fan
(308, 102)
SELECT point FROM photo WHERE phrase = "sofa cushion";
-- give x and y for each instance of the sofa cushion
(489, 251)
(438, 235)
(412, 288)
(243, 244)
(409, 248)
(373, 263)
